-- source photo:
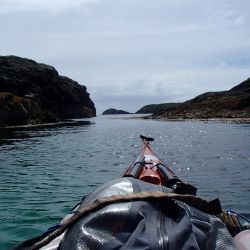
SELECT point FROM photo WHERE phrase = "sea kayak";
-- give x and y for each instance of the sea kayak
(150, 168)
(149, 207)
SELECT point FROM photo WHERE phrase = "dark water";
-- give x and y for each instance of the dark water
(45, 171)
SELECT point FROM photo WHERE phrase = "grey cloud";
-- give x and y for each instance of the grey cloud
(147, 51)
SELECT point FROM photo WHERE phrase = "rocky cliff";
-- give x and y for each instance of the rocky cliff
(34, 93)
(234, 103)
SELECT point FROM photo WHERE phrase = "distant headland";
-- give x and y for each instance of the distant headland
(231, 104)
(34, 93)
(153, 108)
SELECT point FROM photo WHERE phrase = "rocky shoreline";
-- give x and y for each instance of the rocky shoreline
(206, 120)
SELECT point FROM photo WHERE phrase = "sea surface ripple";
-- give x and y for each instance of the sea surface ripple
(46, 171)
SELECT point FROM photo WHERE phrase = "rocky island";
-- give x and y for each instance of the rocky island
(231, 104)
(34, 93)
(113, 111)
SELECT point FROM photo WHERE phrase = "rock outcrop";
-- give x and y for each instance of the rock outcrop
(115, 112)
(234, 103)
(34, 93)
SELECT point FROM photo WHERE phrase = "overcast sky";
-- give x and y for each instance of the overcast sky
(130, 53)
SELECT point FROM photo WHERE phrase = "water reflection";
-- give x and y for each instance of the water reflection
(10, 135)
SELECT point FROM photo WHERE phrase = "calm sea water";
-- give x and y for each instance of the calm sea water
(46, 171)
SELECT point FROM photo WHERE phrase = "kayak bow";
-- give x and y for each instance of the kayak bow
(150, 168)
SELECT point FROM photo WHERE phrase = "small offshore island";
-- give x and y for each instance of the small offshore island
(32, 93)
(113, 111)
